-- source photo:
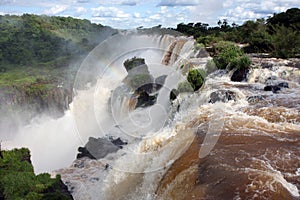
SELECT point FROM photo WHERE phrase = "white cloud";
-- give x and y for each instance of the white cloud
(110, 12)
(120, 2)
(137, 15)
(172, 3)
(4, 2)
(57, 9)
(80, 11)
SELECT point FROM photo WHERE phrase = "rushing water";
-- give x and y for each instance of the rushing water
(246, 148)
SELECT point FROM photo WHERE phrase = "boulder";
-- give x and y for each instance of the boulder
(255, 99)
(118, 142)
(239, 75)
(222, 96)
(273, 88)
(97, 148)
(145, 100)
(283, 85)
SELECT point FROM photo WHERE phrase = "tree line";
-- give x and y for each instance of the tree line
(278, 35)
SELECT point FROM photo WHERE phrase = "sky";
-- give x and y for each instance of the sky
(129, 14)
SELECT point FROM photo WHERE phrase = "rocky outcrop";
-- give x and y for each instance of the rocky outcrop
(240, 75)
(99, 148)
(142, 82)
(222, 96)
(275, 85)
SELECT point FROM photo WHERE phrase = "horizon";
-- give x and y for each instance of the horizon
(130, 14)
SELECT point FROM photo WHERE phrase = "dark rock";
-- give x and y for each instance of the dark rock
(267, 65)
(118, 142)
(144, 100)
(84, 153)
(283, 85)
(239, 75)
(133, 63)
(255, 99)
(273, 88)
(173, 94)
(97, 148)
(222, 96)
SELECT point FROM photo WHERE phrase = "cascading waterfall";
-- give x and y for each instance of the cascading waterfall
(171, 151)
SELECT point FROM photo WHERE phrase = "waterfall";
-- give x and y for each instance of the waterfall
(188, 148)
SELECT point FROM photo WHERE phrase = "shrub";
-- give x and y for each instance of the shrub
(230, 56)
(286, 42)
(196, 78)
(133, 62)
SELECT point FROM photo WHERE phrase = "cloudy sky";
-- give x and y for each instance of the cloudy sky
(148, 13)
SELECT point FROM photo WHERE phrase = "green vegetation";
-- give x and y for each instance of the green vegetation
(31, 39)
(18, 181)
(40, 53)
(230, 56)
(279, 35)
(196, 78)
(133, 63)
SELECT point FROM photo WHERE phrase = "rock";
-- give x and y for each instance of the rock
(267, 65)
(202, 53)
(145, 100)
(222, 96)
(173, 94)
(255, 99)
(118, 142)
(273, 88)
(133, 63)
(283, 85)
(84, 153)
(239, 75)
(97, 148)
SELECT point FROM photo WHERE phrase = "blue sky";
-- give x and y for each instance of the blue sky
(128, 14)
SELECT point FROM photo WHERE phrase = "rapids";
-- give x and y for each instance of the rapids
(245, 148)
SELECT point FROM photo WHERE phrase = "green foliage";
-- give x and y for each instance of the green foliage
(278, 35)
(133, 63)
(208, 40)
(286, 42)
(18, 181)
(230, 56)
(196, 78)
(30, 39)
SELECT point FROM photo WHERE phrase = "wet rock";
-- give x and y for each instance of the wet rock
(273, 88)
(255, 99)
(222, 96)
(97, 148)
(283, 85)
(239, 75)
(173, 94)
(83, 152)
(118, 142)
(267, 65)
(145, 100)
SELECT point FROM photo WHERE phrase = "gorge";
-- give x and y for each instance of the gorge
(228, 140)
